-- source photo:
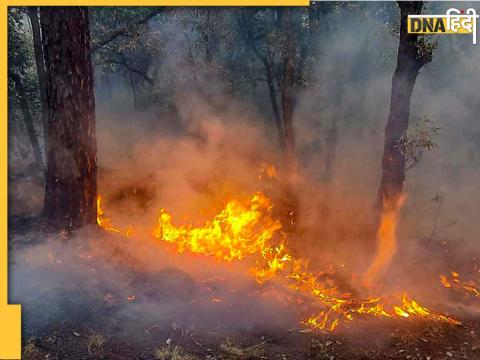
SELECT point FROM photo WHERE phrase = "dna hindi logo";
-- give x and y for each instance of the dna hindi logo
(453, 22)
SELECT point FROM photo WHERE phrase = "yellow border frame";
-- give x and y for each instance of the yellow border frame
(10, 315)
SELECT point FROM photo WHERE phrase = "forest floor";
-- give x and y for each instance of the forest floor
(86, 329)
(393, 341)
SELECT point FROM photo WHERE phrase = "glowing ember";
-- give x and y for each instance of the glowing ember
(246, 228)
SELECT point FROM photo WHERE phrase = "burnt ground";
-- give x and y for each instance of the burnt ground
(92, 327)
(65, 340)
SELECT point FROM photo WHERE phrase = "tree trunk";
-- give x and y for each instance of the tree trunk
(287, 88)
(331, 136)
(331, 139)
(273, 100)
(210, 36)
(39, 61)
(28, 119)
(246, 29)
(71, 186)
(287, 97)
(410, 60)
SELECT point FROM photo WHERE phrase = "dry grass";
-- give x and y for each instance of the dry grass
(95, 342)
(170, 352)
(236, 352)
(30, 350)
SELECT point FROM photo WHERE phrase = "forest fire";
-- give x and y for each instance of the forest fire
(253, 164)
(245, 228)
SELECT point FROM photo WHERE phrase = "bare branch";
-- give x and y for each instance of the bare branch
(133, 70)
(124, 30)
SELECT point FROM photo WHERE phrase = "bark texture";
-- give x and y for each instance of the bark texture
(410, 59)
(71, 187)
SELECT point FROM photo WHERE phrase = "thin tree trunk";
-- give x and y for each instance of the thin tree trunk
(331, 136)
(39, 61)
(410, 60)
(211, 36)
(331, 140)
(287, 93)
(273, 101)
(287, 97)
(28, 119)
(71, 187)
(246, 28)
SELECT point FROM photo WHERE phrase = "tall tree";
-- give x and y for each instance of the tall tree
(27, 118)
(266, 55)
(288, 84)
(22, 89)
(279, 38)
(40, 64)
(71, 178)
(122, 44)
(413, 54)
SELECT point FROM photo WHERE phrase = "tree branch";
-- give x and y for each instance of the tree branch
(132, 70)
(124, 30)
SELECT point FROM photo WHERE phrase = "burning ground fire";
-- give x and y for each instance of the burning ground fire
(468, 288)
(245, 228)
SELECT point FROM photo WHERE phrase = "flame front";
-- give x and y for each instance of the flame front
(241, 229)
(245, 228)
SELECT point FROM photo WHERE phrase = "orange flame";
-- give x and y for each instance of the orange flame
(246, 228)
(238, 230)
(106, 223)
(468, 288)
(386, 240)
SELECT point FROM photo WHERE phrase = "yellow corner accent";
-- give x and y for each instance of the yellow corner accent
(10, 332)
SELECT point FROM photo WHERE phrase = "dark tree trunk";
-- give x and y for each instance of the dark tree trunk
(39, 61)
(288, 104)
(71, 187)
(287, 89)
(210, 36)
(331, 139)
(331, 135)
(269, 66)
(28, 119)
(273, 99)
(411, 57)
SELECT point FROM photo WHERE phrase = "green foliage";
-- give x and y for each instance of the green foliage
(20, 54)
(21, 63)
(20, 47)
(419, 138)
